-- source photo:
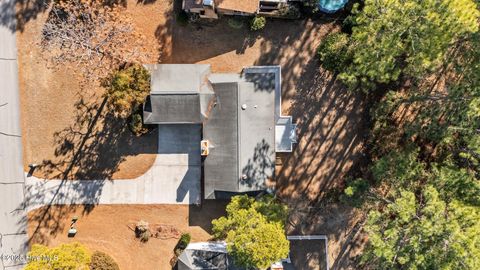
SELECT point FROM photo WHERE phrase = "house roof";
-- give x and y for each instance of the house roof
(179, 94)
(249, 6)
(241, 132)
(306, 251)
(238, 113)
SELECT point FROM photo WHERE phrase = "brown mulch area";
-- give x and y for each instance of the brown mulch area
(107, 228)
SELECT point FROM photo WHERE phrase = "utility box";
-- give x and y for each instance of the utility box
(205, 147)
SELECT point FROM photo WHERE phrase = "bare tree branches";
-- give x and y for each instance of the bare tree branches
(97, 38)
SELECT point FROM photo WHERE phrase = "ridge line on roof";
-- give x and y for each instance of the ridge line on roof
(239, 139)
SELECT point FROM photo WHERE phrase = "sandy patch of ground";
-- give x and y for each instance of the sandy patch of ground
(106, 228)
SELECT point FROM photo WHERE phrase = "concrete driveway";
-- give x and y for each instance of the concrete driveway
(178, 164)
(13, 237)
(173, 179)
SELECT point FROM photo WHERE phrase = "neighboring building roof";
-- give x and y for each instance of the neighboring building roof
(205, 255)
(241, 132)
(179, 94)
(248, 6)
(307, 251)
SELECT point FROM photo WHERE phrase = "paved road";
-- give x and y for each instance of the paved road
(13, 236)
(173, 179)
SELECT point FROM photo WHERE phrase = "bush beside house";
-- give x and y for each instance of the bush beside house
(258, 23)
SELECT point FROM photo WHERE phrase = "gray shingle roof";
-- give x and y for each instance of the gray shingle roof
(238, 113)
(241, 131)
(179, 94)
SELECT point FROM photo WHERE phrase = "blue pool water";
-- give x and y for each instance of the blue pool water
(331, 6)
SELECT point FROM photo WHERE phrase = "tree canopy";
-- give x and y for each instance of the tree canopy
(422, 190)
(254, 231)
(424, 233)
(428, 218)
(394, 37)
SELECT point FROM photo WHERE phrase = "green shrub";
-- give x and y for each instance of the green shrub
(102, 261)
(127, 88)
(182, 243)
(354, 192)
(290, 12)
(136, 124)
(334, 52)
(258, 23)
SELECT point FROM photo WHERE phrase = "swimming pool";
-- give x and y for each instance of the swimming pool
(331, 6)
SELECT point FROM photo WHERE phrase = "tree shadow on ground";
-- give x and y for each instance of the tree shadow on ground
(26, 10)
(164, 30)
(146, 2)
(90, 148)
(332, 125)
(203, 214)
(95, 144)
(205, 39)
(331, 133)
(342, 225)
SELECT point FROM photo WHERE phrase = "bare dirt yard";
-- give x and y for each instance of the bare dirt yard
(108, 228)
(331, 120)
(67, 129)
